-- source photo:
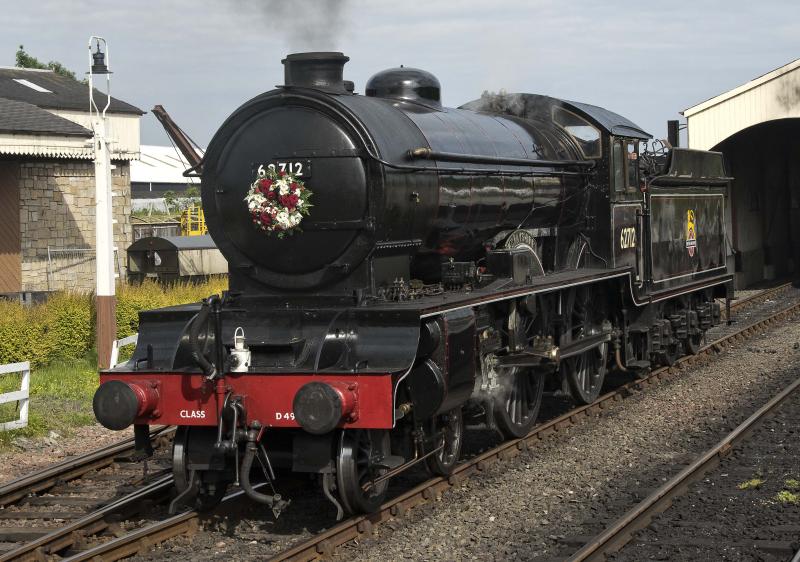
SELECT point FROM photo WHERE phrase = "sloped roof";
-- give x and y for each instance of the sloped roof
(61, 92)
(614, 123)
(747, 86)
(173, 243)
(541, 106)
(21, 117)
(160, 164)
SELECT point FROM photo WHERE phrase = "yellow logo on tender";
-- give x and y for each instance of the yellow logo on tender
(691, 232)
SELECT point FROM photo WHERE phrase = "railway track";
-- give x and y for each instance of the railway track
(756, 297)
(622, 531)
(324, 544)
(101, 534)
(85, 491)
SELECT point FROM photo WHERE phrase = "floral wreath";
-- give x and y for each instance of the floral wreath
(277, 201)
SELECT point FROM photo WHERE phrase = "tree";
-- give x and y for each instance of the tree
(24, 60)
(169, 200)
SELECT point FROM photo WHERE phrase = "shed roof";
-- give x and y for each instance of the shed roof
(21, 117)
(752, 84)
(46, 89)
(173, 243)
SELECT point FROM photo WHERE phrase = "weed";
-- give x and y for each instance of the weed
(787, 497)
(752, 484)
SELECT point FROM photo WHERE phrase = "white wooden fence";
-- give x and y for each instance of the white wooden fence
(130, 340)
(22, 396)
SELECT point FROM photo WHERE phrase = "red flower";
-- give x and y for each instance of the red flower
(289, 201)
(282, 173)
(270, 194)
(265, 183)
(266, 218)
(293, 185)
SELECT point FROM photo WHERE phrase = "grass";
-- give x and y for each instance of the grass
(787, 497)
(60, 398)
(752, 484)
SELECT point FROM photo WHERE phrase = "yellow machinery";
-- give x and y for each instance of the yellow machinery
(193, 221)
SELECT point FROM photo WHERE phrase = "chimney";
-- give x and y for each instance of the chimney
(320, 70)
(673, 138)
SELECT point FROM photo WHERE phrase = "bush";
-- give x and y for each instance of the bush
(24, 335)
(63, 327)
(70, 324)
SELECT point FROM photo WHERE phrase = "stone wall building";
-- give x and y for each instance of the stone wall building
(47, 187)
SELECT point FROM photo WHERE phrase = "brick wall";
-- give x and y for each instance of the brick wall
(57, 211)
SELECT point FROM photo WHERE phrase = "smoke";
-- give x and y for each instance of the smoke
(520, 105)
(303, 25)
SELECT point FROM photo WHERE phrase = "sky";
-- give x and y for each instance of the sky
(201, 59)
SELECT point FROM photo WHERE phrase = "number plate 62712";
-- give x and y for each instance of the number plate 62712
(298, 168)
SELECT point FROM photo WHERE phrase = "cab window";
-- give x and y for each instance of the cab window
(585, 134)
(632, 162)
(618, 166)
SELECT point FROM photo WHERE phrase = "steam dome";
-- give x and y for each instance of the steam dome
(406, 84)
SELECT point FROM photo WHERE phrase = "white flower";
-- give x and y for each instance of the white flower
(299, 203)
(252, 205)
(284, 187)
(295, 219)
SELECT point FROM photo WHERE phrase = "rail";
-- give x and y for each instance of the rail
(325, 543)
(70, 468)
(619, 533)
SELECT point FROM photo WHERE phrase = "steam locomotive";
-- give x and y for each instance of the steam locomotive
(433, 267)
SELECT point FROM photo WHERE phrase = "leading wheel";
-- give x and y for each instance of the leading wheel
(450, 430)
(586, 371)
(209, 493)
(516, 406)
(359, 462)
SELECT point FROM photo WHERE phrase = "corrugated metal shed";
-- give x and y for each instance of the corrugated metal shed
(160, 164)
(775, 95)
(175, 257)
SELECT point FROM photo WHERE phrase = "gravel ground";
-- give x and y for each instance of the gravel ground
(570, 486)
(36, 453)
(541, 504)
(748, 508)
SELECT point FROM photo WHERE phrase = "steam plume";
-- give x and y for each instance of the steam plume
(304, 25)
